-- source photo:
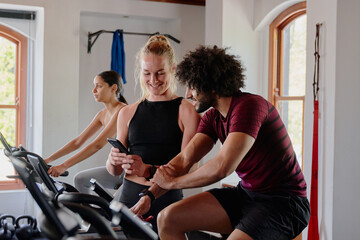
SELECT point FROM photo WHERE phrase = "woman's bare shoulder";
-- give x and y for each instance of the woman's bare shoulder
(187, 111)
(101, 114)
(130, 107)
(129, 110)
(186, 107)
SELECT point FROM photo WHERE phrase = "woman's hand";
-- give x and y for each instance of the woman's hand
(116, 157)
(133, 164)
(56, 171)
(142, 206)
(164, 177)
(47, 160)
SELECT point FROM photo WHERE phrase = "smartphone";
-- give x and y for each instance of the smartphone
(116, 143)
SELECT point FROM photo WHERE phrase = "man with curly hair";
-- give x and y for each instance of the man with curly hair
(270, 200)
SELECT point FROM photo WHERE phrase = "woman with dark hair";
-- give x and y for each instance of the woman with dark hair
(107, 90)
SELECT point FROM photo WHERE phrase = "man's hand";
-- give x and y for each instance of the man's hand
(165, 177)
(142, 206)
(56, 171)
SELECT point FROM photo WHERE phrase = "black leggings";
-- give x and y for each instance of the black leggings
(130, 196)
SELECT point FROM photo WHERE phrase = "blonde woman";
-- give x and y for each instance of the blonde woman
(154, 129)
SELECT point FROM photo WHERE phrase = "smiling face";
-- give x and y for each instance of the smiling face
(102, 91)
(156, 76)
(201, 101)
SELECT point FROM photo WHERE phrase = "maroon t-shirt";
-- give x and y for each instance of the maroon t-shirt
(270, 166)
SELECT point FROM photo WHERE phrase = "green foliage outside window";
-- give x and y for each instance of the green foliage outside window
(7, 88)
(7, 97)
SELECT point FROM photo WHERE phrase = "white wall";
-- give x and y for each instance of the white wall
(17, 202)
(239, 35)
(346, 179)
(266, 10)
(214, 22)
(316, 14)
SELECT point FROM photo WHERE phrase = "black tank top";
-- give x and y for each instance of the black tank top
(154, 132)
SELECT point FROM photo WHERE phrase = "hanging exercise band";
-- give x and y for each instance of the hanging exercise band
(313, 229)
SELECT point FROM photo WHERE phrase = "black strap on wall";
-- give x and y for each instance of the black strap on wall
(316, 65)
(17, 14)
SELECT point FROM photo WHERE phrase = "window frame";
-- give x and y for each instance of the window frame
(20, 94)
(275, 71)
(275, 81)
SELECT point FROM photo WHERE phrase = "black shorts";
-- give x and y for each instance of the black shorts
(264, 216)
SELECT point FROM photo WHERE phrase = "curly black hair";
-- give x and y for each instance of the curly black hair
(210, 69)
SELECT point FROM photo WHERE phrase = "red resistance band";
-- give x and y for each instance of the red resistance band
(313, 230)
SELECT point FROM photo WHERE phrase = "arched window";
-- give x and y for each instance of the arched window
(13, 73)
(287, 71)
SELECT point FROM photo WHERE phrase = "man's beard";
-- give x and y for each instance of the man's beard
(206, 102)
